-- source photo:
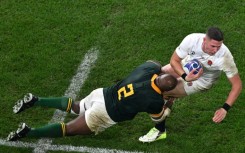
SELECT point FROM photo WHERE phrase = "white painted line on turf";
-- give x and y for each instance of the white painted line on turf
(44, 144)
(67, 148)
(72, 91)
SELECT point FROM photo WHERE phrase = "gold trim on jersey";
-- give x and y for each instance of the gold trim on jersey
(154, 86)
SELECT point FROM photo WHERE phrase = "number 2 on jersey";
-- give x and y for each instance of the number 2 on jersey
(125, 92)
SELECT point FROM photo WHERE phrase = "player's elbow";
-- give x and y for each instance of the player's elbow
(238, 84)
(239, 88)
(175, 59)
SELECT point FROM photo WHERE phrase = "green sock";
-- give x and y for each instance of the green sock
(62, 103)
(48, 131)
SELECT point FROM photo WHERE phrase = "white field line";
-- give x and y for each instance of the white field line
(67, 148)
(44, 145)
(72, 91)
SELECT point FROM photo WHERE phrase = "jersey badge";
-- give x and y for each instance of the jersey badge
(191, 53)
(210, 62)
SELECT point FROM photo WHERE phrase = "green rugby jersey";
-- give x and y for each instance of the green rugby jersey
(136, 93)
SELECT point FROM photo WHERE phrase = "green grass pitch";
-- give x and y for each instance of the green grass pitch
(43, 42)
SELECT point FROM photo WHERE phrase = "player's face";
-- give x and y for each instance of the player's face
(211, 46)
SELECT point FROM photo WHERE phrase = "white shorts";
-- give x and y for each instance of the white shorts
(96, 115)
(196, 86)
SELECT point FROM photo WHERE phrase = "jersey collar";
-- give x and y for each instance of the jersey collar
(153, 85)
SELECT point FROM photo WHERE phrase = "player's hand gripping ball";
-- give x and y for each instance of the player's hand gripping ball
(192, 64)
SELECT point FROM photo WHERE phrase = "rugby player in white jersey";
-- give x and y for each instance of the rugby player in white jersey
(215, 57)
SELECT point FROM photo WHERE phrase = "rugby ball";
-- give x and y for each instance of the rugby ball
(192, 64)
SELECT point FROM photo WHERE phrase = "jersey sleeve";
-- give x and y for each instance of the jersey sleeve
(229, 65)
(185, 46)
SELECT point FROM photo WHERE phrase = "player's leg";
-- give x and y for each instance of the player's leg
(182, 89)
(55, 129)
(159, 131)
(77, 126)
(63, 103)
(93, 116)
(95, 119)
(74, 127)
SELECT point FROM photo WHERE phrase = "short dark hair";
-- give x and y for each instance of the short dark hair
(215, 34)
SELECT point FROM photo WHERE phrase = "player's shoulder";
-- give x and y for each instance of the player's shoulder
(195, 36)
(224, 52)
(155, 62)
(150, 65)
(154, 66)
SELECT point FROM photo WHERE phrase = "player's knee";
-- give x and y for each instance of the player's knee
(69, 130)
(75, 108)
(78, 108)
(77, 126)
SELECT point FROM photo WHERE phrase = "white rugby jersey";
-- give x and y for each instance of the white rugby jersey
(191, 48)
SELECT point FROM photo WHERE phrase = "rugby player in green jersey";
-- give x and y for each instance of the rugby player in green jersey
(141, 91)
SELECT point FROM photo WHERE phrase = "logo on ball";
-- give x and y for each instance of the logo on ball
(193, 64)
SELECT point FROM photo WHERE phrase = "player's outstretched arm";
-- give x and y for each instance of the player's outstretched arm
(236, 89)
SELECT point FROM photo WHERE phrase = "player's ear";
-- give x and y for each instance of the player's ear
(204, 39)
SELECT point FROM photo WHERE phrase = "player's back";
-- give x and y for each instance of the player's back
(134, 94)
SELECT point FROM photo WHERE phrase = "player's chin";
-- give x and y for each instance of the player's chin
(211, 53)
